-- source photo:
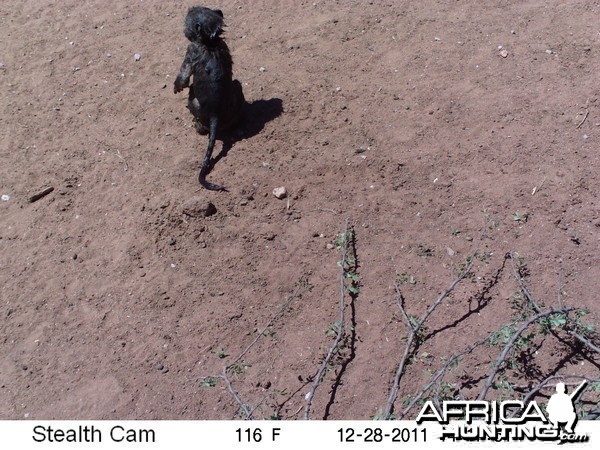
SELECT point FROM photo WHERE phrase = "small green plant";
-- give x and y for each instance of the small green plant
(333, 329)
(492, 224)
(522, 218)
(272, 334)
(239, 367)
(404, 278)
(456, 232)
(220, 353)
(209, 382)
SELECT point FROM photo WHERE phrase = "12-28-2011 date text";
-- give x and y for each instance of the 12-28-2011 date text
(374, 434)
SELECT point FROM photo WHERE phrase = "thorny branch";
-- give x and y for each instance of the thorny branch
(537, 308)
(502, 357)
(439, 374)
(339, 329)
(414, 329)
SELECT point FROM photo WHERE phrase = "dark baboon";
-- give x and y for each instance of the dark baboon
(215, 99)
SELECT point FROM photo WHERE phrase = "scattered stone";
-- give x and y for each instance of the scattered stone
(23, 366)
(449, 251)
(549, 52)
(198, 207)
(137, 57)
(2, 66)
(504, 53)
(585, 137)
(5, 197)
(159, 366)
(262, 69)
(280, 192)
(171, 241)
(330, 246)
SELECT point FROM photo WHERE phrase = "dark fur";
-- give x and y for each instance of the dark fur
(215, 99)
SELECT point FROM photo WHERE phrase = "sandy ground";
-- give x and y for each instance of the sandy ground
(436, 128)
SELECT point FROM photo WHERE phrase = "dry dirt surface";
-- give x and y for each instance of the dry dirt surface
(437, 129)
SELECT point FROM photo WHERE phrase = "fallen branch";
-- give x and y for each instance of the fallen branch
(511, 342)
(414, 329)
(439, 374)
(339, 331)
(538, 310)
(247, 411)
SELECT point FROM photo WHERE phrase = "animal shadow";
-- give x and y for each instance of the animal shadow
(255, 116)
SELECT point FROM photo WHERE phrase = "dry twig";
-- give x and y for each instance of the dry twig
(41, 194)
(587, 113)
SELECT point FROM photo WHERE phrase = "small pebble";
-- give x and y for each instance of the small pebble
(137, 56)
(330, 246)
(280, 192)
(504, 53)
(171, 241)
(549, 52)
(159, 366)
(449, 251)
(5, 197)
(262, 69)
(585, 137)
(24, 367)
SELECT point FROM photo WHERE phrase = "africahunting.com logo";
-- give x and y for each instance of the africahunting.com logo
(508, 420)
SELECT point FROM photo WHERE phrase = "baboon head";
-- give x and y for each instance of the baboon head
(203, 25)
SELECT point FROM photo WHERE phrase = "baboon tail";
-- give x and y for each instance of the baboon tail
(206, 164)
